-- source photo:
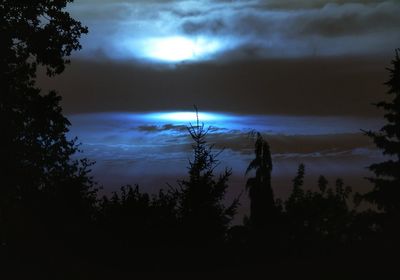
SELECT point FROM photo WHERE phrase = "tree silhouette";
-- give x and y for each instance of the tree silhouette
(34, 33)
(38, 173)
(386, 191)
(130, 215)
(203, 214)
(318, 218)
(297, 192)
(262, 204)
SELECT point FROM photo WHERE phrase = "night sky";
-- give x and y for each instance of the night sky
(304, 73)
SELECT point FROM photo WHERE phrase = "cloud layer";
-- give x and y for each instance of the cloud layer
(240, 29)
(136, 148)
(329, 86)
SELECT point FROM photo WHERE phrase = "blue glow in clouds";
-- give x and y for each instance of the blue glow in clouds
(173, 31)
(172, 49)
(186, 117)
(128, 123)
(178, 48)
(151, 148)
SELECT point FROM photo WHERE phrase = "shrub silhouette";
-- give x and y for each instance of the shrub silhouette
(133, 220)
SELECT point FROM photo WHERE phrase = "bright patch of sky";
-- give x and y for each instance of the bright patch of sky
(182, 117)
(174, 122)
(173, 49)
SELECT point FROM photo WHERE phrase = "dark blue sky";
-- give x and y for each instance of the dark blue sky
(310, 57)
(303, 72)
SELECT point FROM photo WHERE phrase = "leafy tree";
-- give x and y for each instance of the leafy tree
(202, 212)
(318, 216)
(386, 191)
(33, 33)
(37, 171)
(130, 215)
(262, 204)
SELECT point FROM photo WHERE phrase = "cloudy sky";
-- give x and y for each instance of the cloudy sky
(304, 73)
(233, 30)
(267, 57)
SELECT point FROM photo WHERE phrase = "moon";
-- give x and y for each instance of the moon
(180, 48)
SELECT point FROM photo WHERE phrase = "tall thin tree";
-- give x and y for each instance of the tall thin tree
(262, 203)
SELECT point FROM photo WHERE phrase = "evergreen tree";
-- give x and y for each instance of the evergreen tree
(386, 191)
(202, 212)
(297, 195)
(262, 204)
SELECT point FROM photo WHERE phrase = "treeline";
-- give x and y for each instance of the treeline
(188, 227)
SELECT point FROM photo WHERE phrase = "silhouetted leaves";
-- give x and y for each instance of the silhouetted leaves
(45, 192)
(386, 190)
(319, 216)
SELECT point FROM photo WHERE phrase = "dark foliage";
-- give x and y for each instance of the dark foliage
(318, 218)
(33, 33)
(44, 191)
(135, 227)
(386, 190)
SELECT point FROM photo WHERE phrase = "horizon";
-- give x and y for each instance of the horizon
(127, 146)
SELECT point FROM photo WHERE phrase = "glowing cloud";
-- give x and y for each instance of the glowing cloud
(173, 31)
(185, 117)
(178, 48)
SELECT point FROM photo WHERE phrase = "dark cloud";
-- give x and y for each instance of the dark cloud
(355, 20)
(148, 128)
(313, 86)
(297, 145)
(165, 127)
(213, 26)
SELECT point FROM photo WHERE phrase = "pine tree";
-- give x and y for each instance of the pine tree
(203, 214)
(298, 194)
(386, 191)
